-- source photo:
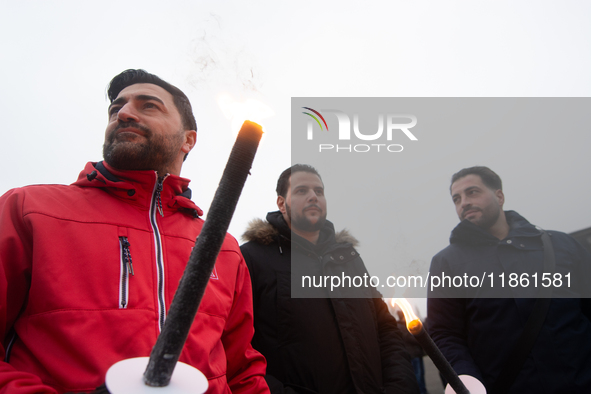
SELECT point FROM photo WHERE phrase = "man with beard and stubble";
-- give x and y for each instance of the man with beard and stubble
(321, 344)
(88, 271)
(495, 339)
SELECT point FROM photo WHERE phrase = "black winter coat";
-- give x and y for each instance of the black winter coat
(320, 345)
(477, 334)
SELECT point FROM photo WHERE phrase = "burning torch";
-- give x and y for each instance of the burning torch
(415, 327)
(121, 377)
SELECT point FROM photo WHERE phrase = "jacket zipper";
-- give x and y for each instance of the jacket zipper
(9, 346)
(126, 270)
(156, 205)
(158, 199)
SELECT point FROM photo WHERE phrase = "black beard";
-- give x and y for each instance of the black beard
(156, 153)
(304, 224)
(487, 219)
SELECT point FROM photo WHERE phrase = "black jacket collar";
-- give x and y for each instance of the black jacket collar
(468, 232)
(326, 238)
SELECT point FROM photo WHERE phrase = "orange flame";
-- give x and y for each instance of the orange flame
(238, 112)
(413, 323)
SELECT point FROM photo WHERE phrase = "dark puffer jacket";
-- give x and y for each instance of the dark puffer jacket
(477, 335)
(320, 345)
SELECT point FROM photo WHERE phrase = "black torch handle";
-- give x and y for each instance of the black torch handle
(441, 362)
(185, 303)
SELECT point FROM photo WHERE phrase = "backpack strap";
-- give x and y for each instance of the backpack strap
(532, 328)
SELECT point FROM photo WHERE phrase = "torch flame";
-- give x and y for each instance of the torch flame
(238, 112)
(413, 323)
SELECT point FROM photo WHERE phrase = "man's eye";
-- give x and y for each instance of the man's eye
(114, 110)
(150, 105)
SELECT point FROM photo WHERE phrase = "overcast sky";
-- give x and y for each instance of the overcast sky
(58, 57)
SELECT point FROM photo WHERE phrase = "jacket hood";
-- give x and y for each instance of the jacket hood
(267, 231)
(134, 185)
(468, 232)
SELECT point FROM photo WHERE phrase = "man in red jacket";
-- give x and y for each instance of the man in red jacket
(88, 271)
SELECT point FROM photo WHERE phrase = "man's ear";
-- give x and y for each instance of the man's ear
(281, 204)
(190, 140)
(500, 196)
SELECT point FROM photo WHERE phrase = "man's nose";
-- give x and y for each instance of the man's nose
(465, 202)
(312, 196)
(127, 113)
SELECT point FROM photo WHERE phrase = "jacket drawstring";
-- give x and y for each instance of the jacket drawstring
(91, 176)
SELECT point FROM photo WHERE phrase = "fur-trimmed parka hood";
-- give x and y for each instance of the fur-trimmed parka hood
(265, 233)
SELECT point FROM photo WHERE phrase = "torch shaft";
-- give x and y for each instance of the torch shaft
(185, 303)
(440, 361)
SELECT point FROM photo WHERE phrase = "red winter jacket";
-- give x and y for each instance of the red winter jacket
(70, 305)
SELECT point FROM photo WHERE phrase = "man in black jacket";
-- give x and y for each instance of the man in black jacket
(320, 344)
(478, 333)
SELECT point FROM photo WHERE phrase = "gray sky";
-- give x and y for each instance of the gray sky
(58, 56)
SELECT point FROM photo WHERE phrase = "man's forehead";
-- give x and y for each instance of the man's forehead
(302, 178)
(470, 180)
(149, 89)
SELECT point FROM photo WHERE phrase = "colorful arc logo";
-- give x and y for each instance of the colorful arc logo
(315, 118)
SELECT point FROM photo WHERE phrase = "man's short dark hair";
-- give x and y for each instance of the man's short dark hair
(283, 181)
(131, 77)
(488, 176)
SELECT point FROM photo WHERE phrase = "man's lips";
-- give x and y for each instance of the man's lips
(469, 212)
(129, 130)
(313, 208)
(131, 127)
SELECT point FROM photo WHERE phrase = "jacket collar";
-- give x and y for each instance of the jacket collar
(467, 232)
(267, 232)
(137, 187)
(327, 233)
(276, 220)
